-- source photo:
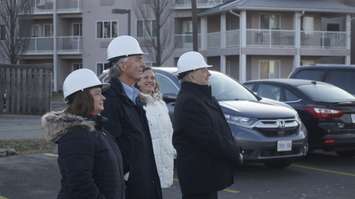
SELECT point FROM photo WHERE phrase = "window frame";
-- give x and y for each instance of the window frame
(111, 34)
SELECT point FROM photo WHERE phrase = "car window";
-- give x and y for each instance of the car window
(225, 88)
(326, 93)
(309, 74)
(343, 79)
(289, 96)
(166, 85)
(249, 86)
(269, 91)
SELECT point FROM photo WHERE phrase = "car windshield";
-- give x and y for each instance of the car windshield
(326, 93)
(225, 88)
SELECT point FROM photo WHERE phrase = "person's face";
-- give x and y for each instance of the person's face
(133, 67)
(98, 100)
(201, 76)
(147, 82)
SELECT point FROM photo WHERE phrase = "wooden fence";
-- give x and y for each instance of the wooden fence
(25, 89)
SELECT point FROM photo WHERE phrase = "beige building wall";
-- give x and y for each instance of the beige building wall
(253, 67)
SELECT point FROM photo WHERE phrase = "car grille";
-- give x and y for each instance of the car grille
(277, 128)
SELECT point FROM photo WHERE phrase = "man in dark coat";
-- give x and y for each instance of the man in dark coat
(206, 150)
(127, 120)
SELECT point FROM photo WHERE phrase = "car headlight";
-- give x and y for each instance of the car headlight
(303, 129)
(240, 121)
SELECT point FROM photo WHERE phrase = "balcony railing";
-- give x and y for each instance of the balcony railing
(270, 38)
(70, 44)
(69, 6)
(232, 38)
(323, 39)
(43, 7)
(186, 4)
(65, 44)
(63, 6)
(184, 41)
(40, 45)
(214, 40)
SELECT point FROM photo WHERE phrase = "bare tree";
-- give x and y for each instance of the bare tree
(15, 18)
(158, 37)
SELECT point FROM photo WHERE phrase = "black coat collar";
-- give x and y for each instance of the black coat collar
(196, 89)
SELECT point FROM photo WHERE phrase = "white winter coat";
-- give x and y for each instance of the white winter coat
(161, 131)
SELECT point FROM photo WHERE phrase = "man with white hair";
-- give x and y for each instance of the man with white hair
(127, 120)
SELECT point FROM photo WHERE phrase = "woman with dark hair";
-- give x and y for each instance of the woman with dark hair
(160, 126)
(89, 160)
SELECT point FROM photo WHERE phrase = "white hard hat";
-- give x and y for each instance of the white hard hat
(123, 46)
(79, 80)
(191, 60)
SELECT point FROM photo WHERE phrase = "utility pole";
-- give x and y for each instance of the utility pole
(194, 25)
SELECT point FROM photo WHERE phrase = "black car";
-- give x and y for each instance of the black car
(265, 131)
(327, 111)
(338, 75)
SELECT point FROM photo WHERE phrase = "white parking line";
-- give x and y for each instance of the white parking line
(50, 155)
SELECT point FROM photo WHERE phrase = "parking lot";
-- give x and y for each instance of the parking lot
(324, 176)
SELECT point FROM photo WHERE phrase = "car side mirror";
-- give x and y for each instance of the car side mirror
(169, 97)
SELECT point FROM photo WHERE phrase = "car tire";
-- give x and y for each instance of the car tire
(279, 164)
(346, 154)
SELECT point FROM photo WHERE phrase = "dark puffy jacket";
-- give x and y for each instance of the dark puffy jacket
(127, 122)
(206, 150)
(89, 160)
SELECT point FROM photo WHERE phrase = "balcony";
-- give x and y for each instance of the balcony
(186, 4)
(40, 45)
(323, 40)
(268, 38)
(69, 44)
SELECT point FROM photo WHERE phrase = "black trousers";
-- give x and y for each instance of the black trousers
(212, 195)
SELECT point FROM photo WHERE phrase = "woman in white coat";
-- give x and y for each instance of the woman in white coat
(159, 125)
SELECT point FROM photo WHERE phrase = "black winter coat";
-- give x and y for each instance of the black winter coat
(127, 122)
(206, 150)
(89, 160)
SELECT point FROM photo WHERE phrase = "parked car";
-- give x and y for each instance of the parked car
(327, 111)
(339, 75)
(265, 131)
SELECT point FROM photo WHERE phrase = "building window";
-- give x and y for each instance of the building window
(100, 67)
(106, 29)
(269, 69)
(270, 22)
(76, 66)
(36, 30)
(77, 29)
(47, 30)
(2, 32)
(146, 28)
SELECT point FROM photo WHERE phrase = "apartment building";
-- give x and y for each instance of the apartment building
(71, 34)
(252, 39)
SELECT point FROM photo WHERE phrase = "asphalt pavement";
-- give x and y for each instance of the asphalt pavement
(320, 176)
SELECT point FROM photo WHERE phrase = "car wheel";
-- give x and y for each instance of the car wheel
(279, 164)
(346, 153)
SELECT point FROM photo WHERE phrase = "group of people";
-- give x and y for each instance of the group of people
(116, 140)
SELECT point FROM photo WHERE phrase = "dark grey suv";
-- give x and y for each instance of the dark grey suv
(338, 75)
